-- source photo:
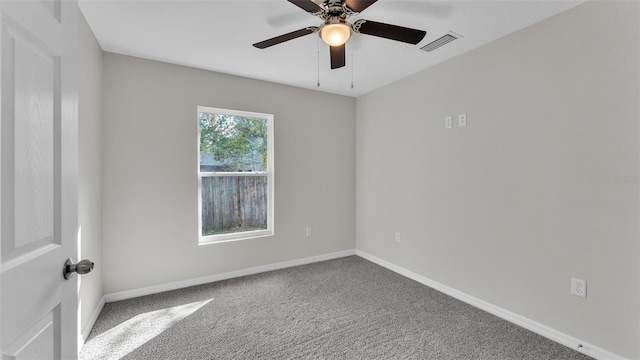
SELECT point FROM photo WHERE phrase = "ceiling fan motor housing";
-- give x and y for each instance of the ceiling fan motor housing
(333, 3)
(335, 30)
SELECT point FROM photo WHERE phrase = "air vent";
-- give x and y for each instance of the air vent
(438, 43)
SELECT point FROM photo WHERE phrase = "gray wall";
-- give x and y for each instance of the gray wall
(89, 166)
(150, 183)
(541, 186)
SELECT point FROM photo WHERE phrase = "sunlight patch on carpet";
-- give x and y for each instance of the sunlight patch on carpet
(135, 332)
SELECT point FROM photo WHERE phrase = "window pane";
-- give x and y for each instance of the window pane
(230, 143)
(233, 204)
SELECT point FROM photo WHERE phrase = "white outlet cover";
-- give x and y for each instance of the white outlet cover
(397, 237)
(462, 120)
(579, 287)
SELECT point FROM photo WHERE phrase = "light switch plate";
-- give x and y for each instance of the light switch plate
(448, 122)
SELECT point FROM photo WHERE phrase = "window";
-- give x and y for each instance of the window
(235, 172)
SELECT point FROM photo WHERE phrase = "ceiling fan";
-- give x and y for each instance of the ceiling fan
(336, 30)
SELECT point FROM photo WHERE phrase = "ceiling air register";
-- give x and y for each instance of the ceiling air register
(438, 43)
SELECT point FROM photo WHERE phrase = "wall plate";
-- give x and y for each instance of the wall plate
(462, 120)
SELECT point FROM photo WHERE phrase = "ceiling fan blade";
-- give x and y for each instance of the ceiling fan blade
(308, 6)
(286, 37)
(338, 56)
(359, 5)
(388, 31)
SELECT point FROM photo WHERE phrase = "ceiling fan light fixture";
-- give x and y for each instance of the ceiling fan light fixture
(336, 33)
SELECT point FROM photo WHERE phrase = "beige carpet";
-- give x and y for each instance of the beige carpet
(348, 308)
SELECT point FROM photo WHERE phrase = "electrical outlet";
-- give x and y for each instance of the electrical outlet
(462, 120)
(448, 122)
(397, 237)
(579, 287)
(308, 231)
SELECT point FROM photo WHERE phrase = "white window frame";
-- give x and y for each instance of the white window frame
(242, 235)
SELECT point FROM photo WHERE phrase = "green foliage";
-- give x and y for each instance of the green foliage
(235, 141)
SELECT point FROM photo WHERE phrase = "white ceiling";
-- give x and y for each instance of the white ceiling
(218, 35)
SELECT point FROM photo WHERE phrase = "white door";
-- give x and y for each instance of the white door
(38, 151)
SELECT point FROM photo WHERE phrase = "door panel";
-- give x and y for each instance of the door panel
(38, 184)
(29, 88)
(35, 72)
(39, 341)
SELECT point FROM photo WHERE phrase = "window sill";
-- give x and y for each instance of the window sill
(224, 238)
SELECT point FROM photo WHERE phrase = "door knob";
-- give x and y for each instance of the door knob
(82, 267)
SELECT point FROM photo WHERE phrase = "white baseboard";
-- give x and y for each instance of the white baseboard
(555, 335)
(123, 295)
(92, 321)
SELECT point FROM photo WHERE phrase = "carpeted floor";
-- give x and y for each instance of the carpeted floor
(347, 308)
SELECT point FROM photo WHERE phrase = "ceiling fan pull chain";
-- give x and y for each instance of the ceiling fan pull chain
(352, 66)
(318, 61)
